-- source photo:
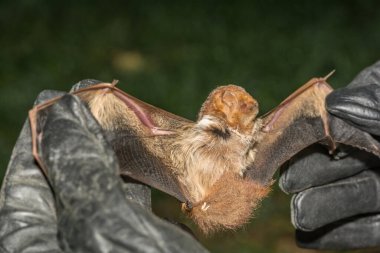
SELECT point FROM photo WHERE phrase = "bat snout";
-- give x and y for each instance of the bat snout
(249, 108)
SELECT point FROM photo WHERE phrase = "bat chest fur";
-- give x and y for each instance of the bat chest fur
(205, 152)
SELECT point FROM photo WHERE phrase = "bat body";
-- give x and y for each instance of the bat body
(222, 165)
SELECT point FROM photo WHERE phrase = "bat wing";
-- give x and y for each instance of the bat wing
(298, 122)
(139, 143)
(137, 161)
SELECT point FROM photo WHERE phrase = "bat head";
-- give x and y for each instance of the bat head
(231, 103)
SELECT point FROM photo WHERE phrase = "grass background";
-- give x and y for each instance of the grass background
(172, 54)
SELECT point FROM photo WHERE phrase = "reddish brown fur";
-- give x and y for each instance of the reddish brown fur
(231, 202)
(200, 157)
(233, 104)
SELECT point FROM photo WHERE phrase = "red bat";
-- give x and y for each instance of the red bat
(221, 166)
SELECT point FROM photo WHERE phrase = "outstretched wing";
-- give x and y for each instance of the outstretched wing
(298, 122)
(139, 162)
(136, 130)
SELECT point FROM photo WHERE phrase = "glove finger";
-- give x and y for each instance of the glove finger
(368, 75)
(318, 206)
(84, 83)
(27, 213)
(358, 106)
(314, 166)
(70, 120)
(361, 232)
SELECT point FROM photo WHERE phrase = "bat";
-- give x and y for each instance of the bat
(222, 165)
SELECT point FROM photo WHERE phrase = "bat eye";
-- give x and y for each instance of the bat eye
(248, 106)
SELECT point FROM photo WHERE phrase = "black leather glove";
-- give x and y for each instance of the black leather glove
(336, 202)
(88, 208)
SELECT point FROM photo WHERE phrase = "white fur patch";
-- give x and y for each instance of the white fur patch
(207, 121)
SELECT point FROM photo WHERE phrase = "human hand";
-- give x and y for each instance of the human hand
(336, 204)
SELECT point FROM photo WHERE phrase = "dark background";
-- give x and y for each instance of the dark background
(172, 54)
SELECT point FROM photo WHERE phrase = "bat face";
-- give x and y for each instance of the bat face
(221, 166)
(233, 105)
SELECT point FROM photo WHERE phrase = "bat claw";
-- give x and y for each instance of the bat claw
(328, 75)
(330, 142)
(188, 206)
(114, 82)
(205, 206)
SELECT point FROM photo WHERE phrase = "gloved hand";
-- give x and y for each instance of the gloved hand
(88, 208)
(336, 203)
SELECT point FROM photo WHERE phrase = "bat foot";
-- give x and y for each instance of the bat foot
(187, 206)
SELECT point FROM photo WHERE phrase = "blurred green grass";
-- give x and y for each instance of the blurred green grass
(172, 53)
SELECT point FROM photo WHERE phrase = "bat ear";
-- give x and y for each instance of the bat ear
(229, 99)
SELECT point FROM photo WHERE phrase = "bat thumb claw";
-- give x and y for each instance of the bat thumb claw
(331, 145)
(329, 74)
(114, 82)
